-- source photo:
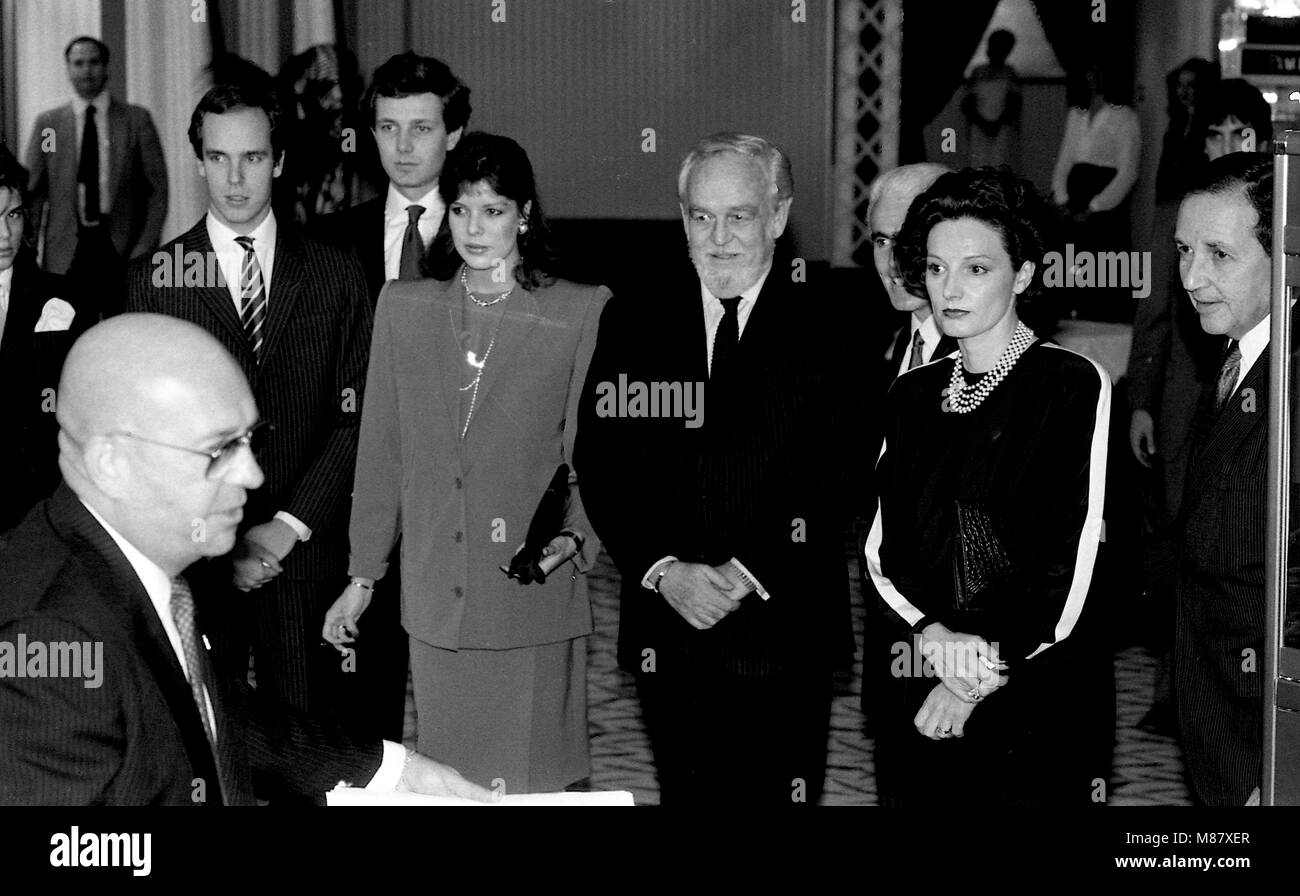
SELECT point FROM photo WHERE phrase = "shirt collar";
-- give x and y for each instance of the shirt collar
(156, 582)
(6, 288)
(395, 204)
(929, 329)
(223, 237)
(747, 296)
(100, 102)
(1253, 343)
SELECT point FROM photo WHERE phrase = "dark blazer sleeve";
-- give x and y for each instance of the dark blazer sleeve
(319, 494)
(576, 517)
(61, 743)
(149, 182)
(1149, 355)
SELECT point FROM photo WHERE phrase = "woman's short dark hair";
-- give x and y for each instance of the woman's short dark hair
(243, 94)
(502, 165)
(994, 196)
(1236, 98)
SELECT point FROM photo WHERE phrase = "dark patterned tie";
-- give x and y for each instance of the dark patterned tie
(918, 351)
(183, 615)
(252, 291)
(1228, 375)
(412, 245)
(727, 338)
(88, 168)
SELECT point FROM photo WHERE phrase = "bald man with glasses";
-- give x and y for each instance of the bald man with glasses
(154, 419)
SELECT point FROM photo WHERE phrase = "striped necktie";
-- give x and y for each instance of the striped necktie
(252, 291)
(1228, 375)
(183, 616)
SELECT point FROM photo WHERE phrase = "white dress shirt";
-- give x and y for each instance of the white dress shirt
(929, 342)
(230, 258)
(158, 585)
(396, 219)
(101, 126)
(6, 285)
(1112, 139)
(713, 311)
(1252, 345)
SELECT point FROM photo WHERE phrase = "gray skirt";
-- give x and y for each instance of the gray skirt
(505, 718)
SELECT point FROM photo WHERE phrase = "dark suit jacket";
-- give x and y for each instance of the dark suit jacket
(360, 228)
(1221, 593)
(766, 478)
(449, 497)
(309, 383)
(137, 737)
(30, 365)
(137, 182)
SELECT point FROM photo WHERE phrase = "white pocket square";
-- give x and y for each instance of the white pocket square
(56, 315)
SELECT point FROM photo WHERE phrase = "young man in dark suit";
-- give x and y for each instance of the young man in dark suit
(103, 202)
(418, 111)
(735, 690)
(156, 425)
(293, 312)
(1224, 240)
(39, 320)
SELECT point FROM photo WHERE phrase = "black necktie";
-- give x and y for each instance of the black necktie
(412, 246)
(918, 351)
(88, 169)
(1228, 375)
(727, 338)
(183, 616)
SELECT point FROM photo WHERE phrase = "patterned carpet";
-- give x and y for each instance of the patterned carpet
(1147, 768)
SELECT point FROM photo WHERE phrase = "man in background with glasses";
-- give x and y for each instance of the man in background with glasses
(155, 423)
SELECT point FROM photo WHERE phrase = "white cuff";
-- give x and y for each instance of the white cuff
(648, 580)
(304, 534)
(390, 769)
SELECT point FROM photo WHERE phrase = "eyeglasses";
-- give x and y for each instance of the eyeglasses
(221, 458)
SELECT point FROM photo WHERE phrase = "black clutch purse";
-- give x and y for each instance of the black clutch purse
(981, 562)
(547, 522)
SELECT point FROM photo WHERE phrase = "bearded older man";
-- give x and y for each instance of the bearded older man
(728, 533)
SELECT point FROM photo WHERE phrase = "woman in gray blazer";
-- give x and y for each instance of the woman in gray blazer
(470, 407)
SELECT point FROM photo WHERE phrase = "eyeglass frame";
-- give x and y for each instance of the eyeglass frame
(244, 440)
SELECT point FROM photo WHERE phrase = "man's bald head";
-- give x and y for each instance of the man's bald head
(890, 197)
(143, 397)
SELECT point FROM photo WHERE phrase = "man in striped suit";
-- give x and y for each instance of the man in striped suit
(1224, 240)
(295, 314)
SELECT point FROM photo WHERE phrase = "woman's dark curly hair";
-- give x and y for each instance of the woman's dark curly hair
(502, 164)
(995, 196)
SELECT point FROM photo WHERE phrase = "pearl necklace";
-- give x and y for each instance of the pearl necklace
(472, 359)
(501, 298)
(960, 399)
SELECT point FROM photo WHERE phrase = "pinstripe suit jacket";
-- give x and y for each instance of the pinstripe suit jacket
(136, 738)
(309, 383)
(1219, 640)
(766, 478)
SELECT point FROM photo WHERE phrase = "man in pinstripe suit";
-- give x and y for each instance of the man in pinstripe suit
(156, 424)
(295, 314)
(1224, 241)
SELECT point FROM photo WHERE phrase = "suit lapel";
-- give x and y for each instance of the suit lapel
(217, 298)
(372, 245)
(24, 312)
(117, 581)
(117, 143)
(288, 273)
(1234, 423)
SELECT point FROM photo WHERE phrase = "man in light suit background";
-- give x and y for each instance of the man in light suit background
(1224, 239)
(294, 314)
(156, 426)
(102, 202)
(418, 111)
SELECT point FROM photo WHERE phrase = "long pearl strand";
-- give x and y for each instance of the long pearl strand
(960, 399)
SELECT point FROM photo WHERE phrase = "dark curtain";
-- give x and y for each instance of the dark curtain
(1077, 39)
(937, 45)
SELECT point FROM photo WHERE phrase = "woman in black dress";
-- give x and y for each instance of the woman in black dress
(1003, 441)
